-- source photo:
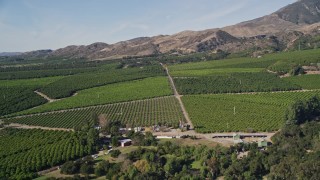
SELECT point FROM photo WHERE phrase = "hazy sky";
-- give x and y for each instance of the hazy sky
(50, 24)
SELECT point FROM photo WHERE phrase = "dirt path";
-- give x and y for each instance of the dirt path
(281, 76)
(178, 96)
(312, 72)
(22, 126)
(50, 99)
(46, 97)
(209, 136)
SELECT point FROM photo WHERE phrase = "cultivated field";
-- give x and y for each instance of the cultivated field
(30, 152)
(131, 83)
(69, 85)
(214, 71)
(311, 81)
(241, 112)
(233, 83)
(164, 110)
(14, 99)
(287, 60)
(113, 93)
(222, 64)
(277, 62)
(36, 82)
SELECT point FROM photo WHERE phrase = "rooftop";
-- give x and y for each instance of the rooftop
(125, 140)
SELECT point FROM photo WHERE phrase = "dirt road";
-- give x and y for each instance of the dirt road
(281, 76)
(209, 136)
(22, 126)
(178, 96)
(50, 99)
(45, 96)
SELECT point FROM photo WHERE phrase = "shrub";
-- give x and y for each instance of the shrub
(115, 153)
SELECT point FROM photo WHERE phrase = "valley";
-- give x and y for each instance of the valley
(194, 99)
(236, 102)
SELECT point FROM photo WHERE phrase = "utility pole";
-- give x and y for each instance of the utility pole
(234, 110)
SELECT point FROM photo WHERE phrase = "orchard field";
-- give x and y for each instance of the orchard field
(206, 87)
(164, 110)
(29, 152)
(69, 85)
(278, 62)
(214, 71)
(233, 83)
(113, 93)
(236, 63)
(35, 82)
(311, 81)
(287, 60)
(14, 99)
(241, 112)
(139, 89)
(18, 95)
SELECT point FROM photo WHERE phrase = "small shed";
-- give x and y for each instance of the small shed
(95, 156)
(125, 142)
(262, 143)
(164, 137)
(236, 138)
(138, 129)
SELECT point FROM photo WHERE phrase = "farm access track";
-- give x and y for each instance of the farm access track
(178, 97)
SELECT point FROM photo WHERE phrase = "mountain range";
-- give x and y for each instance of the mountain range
(279, 31)
(10, 53)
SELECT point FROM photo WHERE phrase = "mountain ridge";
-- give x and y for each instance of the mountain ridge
(276, 31)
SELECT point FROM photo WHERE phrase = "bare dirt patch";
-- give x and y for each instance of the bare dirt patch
(312, 72)
(281, 76)
(192, 142)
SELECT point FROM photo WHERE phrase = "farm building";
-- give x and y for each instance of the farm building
(95, 156)
(168, 137)
(237, 138)
(156, 128)
(125, 142)
(262, 143)
(164, 137)
(136, 129)
(253, 135)
(222, 136)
